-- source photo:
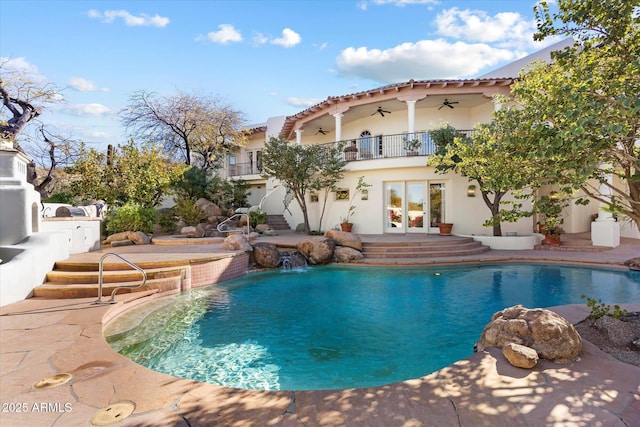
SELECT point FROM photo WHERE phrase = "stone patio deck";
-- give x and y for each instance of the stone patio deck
(41, 338)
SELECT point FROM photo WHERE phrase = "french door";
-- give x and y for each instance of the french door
(414, 206)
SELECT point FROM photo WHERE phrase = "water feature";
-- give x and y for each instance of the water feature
(291, 259)
(340, 327)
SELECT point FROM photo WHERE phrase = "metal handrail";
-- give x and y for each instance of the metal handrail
(113, 294)
(229, 219)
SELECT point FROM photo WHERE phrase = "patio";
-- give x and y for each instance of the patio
(40, 338)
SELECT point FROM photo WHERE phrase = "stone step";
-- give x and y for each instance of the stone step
(277, 222)
(109, 276)
(431, 247)
(118, 266)
(87, 290)
(449, 252)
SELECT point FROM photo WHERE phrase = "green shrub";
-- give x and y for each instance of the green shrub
(186, 210)
(61, 197)
(167, 220)
(257, 217)
(131, 217)
(600, 309)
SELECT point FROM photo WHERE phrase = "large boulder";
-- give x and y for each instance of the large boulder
(208, 207)
(236, 242)
(266, 255)
(318, 250)
(137, 237)
(344, 254)
(549, 334)
(342, 238)
(192, 232)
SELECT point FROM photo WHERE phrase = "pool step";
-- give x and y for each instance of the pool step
(416, 250)
(80, 280)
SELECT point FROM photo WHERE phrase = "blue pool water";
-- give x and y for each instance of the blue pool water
(340, 327)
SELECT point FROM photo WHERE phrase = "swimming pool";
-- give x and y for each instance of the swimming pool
(336, 327)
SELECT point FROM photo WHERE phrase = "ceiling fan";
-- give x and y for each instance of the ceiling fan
(381, 112)
(448, 103)
(324, 132)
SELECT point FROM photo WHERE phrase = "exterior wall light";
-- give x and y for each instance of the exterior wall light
(471, 191)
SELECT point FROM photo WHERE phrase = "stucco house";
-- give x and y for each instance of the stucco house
(405, 195)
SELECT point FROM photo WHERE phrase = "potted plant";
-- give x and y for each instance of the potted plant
(445, 228)
(345, 224)
(550, 208)
(412, 146)
(350, 151)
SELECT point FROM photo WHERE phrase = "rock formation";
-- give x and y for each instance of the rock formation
(317, 250)
(549, 334)
(266, 255)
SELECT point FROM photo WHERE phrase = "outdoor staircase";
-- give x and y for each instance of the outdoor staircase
(277, 222)
(420, 251)
(80, 280)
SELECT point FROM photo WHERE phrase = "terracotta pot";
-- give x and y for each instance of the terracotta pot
(551, 239)
(346, 226)
(445, 228)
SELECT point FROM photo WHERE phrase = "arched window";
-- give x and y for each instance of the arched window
(365, 140)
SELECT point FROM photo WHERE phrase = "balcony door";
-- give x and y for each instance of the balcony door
(414, 206)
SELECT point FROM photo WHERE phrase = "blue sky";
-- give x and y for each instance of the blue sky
(265, 58)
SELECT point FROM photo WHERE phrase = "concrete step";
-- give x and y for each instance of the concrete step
(109, 276)
(277, 222)
(429, 248)
(117, 266)
(87, 290)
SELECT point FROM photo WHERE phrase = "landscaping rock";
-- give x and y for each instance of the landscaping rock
(236, 242)
(318, 250)
(619, 332)
(266, 255)
(343, 238)
(208, 207)
(520, 356)
(136, 237)
(262, 228)
(552, 336)
(118, 243)
(344, 254)
(192, 232)
(633, 264)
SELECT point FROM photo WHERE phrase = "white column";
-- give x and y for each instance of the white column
(338, 120)
(411, 116)
(299, 136)
(605, 231)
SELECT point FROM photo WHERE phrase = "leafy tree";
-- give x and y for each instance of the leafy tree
(196, 128)
(24, 98)
(496, 157)
(331, 171)
(582, 112)
(139, 175)
(297, 167)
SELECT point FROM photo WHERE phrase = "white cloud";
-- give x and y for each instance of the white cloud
(259, 39)
(143, 20)
(425, 59)
(83, 85)
(226, 34)
(302, 102)
(505, 29)
(92, 109)
(289, 38)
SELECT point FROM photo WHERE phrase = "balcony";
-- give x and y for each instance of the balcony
(368, 148)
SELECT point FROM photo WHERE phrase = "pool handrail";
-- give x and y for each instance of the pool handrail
(113, 294)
